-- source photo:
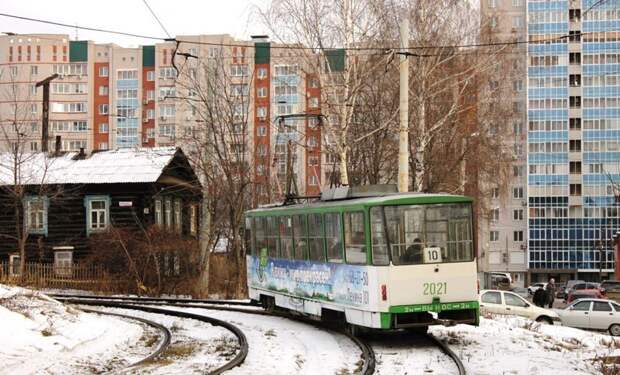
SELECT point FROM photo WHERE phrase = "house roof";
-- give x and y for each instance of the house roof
(135, 165)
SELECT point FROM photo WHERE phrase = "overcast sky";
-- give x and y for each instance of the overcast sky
(235, 17)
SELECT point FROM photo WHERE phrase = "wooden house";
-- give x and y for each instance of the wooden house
(60, 201)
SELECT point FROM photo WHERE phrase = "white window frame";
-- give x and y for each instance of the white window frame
(168, 213)
(158, 213)
(41, 222)
(13, 271)
(103, 71)
(63, 267)
(178, 215)
(104, 214)
(192, 219)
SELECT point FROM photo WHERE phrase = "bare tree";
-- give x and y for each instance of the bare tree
(23, 172)
(218, 147)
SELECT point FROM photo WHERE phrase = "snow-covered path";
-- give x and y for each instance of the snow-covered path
(40, 335)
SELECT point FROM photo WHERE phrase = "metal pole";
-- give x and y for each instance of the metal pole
(46, 111)
(403, 134)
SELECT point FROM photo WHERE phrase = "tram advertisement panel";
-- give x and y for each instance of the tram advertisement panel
(333, 282)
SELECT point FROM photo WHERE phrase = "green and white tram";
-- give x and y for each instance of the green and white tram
(385, 261)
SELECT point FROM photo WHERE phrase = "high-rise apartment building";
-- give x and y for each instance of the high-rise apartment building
(573, 136)
(109, 97)
(502, 235)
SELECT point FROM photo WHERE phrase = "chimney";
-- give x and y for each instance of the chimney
(57, 146)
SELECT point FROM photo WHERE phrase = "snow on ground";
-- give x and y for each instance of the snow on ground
(283, 346)
(406, 353)
(514, 345)
(41, 335)
(196, 347)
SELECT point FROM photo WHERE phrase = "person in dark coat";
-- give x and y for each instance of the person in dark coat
(540, 297)
(550, 289)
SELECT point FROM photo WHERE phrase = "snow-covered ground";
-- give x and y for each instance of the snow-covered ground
(514, 345)
(41, 335)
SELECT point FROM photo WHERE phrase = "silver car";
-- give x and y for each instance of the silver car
(592, 313)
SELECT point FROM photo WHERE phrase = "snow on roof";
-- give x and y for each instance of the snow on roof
(135, 165)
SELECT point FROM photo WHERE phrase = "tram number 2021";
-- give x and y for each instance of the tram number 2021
(435, 289)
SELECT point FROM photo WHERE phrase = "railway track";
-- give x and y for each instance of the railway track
(243, 343)
(144, 303)
(449, 352)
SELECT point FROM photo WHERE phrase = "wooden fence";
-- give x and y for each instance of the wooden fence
(44, 275)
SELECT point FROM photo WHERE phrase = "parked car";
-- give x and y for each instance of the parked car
(569, 285)
(509, 303)
(592, 290)
(559, 290)
(611, 289)
(532, 288)
(592, 313)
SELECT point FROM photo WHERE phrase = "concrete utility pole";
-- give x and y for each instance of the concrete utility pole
(46, 110)
(403, 133)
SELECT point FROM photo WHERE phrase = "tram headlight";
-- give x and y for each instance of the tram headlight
(383, 292)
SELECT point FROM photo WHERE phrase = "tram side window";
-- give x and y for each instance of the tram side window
(285, 224)
(272, 237)
(405, 228)
(260, 235)
(333, 236)
(300, 234)
(380, 255)
(249, 248)
(354, 238)
(315, 238)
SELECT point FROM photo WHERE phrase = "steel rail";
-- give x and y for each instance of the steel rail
(368, 354)
(243, 342)
(167, 335)
(155, 299)
(449, 352)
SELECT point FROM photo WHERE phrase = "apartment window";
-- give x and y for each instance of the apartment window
(517, 85)
(574, 58)
(150, 114)
(150, 75)
(493, 22)
(13, 70)
(103, 146)
(238, 70)
(103, 90)
(575, 101)
(178, 225)
(313, 180)
(34, 146)
(495, 193)
(261, 73)
(574, 145)
(517, 192)
(574, 36)
(126, 74)
(97, 213)
(261, 131)
(517, 236)
(517, 107)
(517, 3)
(314, 83)
(517, 22)
(103, 127)
(518, 170)
(34, 109)
(575, 189)
(517, 214)
(312, 142)
(313, 102)
(158, 213)
(103, 109)
(103, 71)
(313, 161)
(262, 92)
(575, 167)
(261, 112)
(574, 14)
(34, 70)
(574, 80)
(36, 214)
(494, 214)
(494, 236)
(492, 3)
(574, 123)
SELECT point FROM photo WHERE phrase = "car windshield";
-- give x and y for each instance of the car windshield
(418, 234)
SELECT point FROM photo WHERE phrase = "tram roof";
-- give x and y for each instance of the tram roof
(388, 199)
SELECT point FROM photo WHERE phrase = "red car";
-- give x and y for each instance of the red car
(578, 293)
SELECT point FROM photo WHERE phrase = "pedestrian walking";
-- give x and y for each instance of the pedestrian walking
(540, 297)
(550, 289)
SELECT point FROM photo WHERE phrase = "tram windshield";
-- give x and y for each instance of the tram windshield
(420, 234)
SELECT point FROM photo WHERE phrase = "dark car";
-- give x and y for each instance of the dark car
(585, 290)
(611, 289)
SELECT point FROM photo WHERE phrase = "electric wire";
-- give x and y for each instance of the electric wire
(157, 19)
